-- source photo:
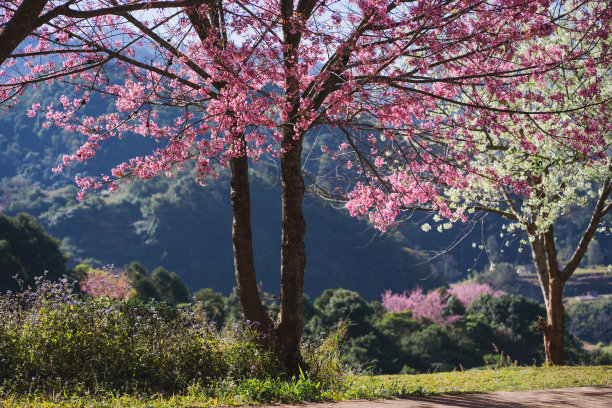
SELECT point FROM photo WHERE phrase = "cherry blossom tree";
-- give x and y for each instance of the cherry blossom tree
(542, 150)
(221, 83)
(465, 292)
(430, 306)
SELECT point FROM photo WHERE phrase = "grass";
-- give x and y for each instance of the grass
(478, 381)
(593, 269)
(357, 387)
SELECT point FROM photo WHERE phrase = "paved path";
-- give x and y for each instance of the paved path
(584, 397)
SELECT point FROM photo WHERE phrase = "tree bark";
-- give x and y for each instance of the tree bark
(554, 327)
(242, 239)
(552, 279)
(293, 255)
(19, 26)
(544, 252)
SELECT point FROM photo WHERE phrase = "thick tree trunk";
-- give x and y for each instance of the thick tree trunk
(19, 26)
(552, 282)
(287, 334)
(242, 238)
(293, 255)
(248, 291)
(554, 327)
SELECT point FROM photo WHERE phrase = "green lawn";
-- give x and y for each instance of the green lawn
(386, 386)
(505, 379)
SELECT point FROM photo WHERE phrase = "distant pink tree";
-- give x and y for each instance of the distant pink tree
(430, 306)
(100, 283)
(466, 292)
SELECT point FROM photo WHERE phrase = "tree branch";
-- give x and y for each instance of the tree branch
(19, 27)
(599, 211)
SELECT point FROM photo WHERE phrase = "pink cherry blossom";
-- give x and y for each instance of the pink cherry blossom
(430, 306)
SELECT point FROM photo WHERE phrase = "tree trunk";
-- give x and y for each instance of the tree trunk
(554, 327)
(20, 26)
(293, 255)
(248, 291)
(288, 332)
(552, 282)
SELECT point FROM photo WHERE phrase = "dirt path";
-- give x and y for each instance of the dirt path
(583, 397)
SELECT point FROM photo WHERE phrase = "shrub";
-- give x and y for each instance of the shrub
(514, 322)
(53, 341)
(591, 320)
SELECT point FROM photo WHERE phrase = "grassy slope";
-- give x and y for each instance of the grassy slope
(363, 387)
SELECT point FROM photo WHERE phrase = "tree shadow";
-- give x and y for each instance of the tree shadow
(592, 397)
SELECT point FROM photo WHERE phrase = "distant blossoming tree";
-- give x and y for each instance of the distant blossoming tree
(544, 149)
(467, 291)
(430, 306)
(102, 283)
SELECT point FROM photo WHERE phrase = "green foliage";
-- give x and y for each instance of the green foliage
(397, 325)
(591, 321)
(53, 341)
(363, 345)
(323, 359)
(437, 348)
(392, 342)
(170, 287)
(338, 306)
(212, 304)
(26, 250)
(301, 389)
(161, 285)
(513, 320)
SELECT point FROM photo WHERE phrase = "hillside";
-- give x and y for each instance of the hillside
(186, 228)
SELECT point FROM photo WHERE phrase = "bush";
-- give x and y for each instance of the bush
(53, 341)
(514, 322)
(591, 320)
